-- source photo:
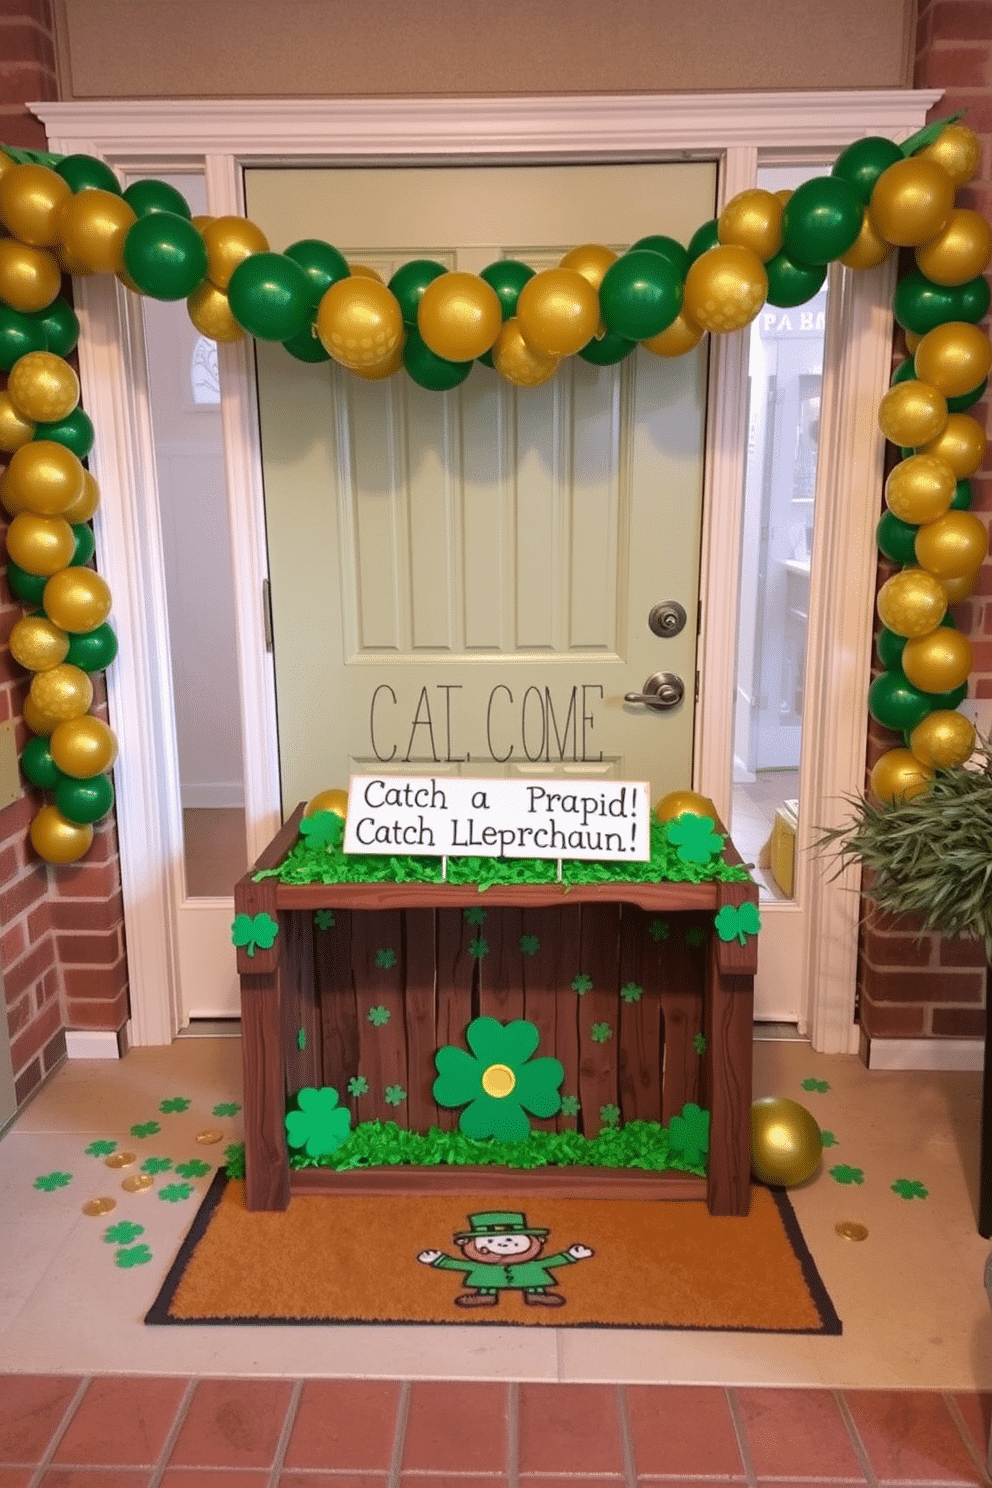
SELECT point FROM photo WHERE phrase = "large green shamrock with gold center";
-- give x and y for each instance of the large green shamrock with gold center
(498, 1082)
(693, 838)
(320, 1124)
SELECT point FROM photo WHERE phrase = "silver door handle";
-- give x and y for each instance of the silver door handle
(662, 691)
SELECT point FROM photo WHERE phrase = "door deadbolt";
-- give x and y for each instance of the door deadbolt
(662, 691)
(667, 618)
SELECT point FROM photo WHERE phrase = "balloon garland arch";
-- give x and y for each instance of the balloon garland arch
(68, 215)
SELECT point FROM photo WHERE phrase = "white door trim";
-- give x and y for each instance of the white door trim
(217, 137)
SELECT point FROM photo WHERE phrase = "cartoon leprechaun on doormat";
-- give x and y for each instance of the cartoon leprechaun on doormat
(501, 1252)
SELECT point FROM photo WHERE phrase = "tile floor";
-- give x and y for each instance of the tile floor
(92, 1398)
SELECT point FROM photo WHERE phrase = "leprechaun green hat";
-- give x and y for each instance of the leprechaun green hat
(499, 1222)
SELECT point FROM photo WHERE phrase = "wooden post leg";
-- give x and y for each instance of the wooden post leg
(266, 1157)
(729, 1027)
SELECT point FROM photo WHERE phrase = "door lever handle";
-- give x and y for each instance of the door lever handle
(662, 691)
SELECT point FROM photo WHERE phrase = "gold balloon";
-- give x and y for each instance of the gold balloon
(725, 288)
(63, 691)
(382, 370)
(10, 500)
(944, 738)
(920, 488)
(210, 312)
(912, 341)
(77, 599)
(957, 150)
(960, 251)
(38, 722)
(868, 250)
(786, 1142)
(911, 202)
(92, 228)
(961, 443)
(30, 278)
(675, 340)
(31, 197)
(557, 311)
(684, 802)
(459, 316)
(329, 800)
(912, 412)
(68, 264)
(43, 387)
(952, 546)
(45, 477)
(899, 776)
(962, 588)
(38, 644)
(15, 430)
(40, 545)
(937, 662)
(86, 504)
(911, 603)
(955, 357)
(518, 362)
(591, 260)
(753, 219)
(364, 271)
(83, 747)
(230, 240)
(359, 322)
(58, 840)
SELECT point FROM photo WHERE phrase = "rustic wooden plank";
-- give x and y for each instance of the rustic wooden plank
(681, 970)
(455, 980)
(729, 1017)
(539, 1183)
(377, 935)
(250, 899)
(266, 1161)
(501, 988)
(420, 1013)
(302, 1043)
(568, 1007)
(338, 1011)
(660, 898)
(600, 960)
(639, 1049)
(541, 975)
(735, 958)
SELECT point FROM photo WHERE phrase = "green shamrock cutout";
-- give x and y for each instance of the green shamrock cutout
(828, 1139)
(631, 992)
(145, 1129)
(609, 1115)
(379, 1016)
(693, 838)
(123, 1232)
(910, 1188)
(582, 984)
(301, 1039)
(738, 921)
(659, 930)
(570, 1105)
(324, 919)
(695, 935)
(478, 947)
(174, 1193)
(226, 1108)
(689, 1134)
(135, 1255)
(820, 1086)
(235, 1153)
(176, 1103)
(530, 945)
(101, 1149)
(385, 959)
(844, 1173)
(394, 1095)
(49, 1182)
(156, 1164)
(195, 1168)
(498, 1083)
(699, 1043)
(251, 931)
(322, 829)
(475, 916)
(601, 1033)
(358, 1085)
(319, 1125)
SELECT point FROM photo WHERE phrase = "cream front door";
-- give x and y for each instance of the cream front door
(462, 582)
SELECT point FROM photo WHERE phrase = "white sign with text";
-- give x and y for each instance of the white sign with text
(455, 817)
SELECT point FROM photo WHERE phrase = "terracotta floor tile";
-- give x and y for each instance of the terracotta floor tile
(329, 1480)
(456, 1426)
(345, 1424)
(682, 1429)
(232, 1423)
(976, 1411)
(569, 1428)
(210, 1477)
(444, 1480)
(15, 1477)
(797, 1433)
(122, 1419)
(94, 1477)
(910, 1434)
(604, 1481)
(31, 1407)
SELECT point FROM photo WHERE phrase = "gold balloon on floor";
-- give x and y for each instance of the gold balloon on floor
(943, 739)
(30, 278)
(953, 546)
(912, 412)
(920, 488)
(753, 219)
(960, 251)
(62, 692)
(725, 288)
(230, 240)
(210, 312)
(518, 362)
(15, 430)
(961, 443)
(786, 1142)
(911, 202)
(675, 340)
(37, 644)
(557, 311)
(86, 503)
(77, 599)
(359, 322)
(328, 800)
(911, 603)
(38, 722)
(83, 747)
(459, 316)
(591, 260)
(899, 776)
(92, 228)
(684, 802)
(58, 840)
(938, 662)
(43, 387)
(868, 249)
(31, 197)
(40, 545)
(955, 357)
(956, 150)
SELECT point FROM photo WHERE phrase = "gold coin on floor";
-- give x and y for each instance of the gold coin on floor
(849, 1229)
(120, 1159)
(137, 1183)
(209, 1136)
(99, 1206)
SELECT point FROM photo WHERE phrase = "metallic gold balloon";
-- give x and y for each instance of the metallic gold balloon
(30, 278)
(329, 800)
(961, 250)
(229, 240)
(753, 219)
(952, 546)
(68, 264)
(63, 691)
(920, 488)
(459, 315)
(899, 776)
(38, 644)
(210, 312)
(912, 412)
(92, 228)
(912, 340)
(46, 478)
(962, 588)
(786, 1142)
(911, 603)
(557, 311)
(682, 803)
(591, 260)
(363, 271)
(359, 322)
(961, 443)
(911, 202)
(944, 738)
(937, 662)
(40, 545)
(38, 722)
(58, 840)
(15, 430)
(382, 370)
(83, 508)
(725, 288)
(868, 250)
(675, 340)
(83, 747)
(31, 197)
(77, 599)
(957, 150)
(10, 500)
(518, 362)
(954, 357)
(44, 387)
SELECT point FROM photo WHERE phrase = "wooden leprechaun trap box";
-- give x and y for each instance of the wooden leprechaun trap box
(431, 1005)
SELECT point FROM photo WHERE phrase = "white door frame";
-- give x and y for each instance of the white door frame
(219, 137)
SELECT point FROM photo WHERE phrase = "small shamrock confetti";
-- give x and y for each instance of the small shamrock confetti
(693, 838)
(609, 1115)
(631, 992)
(301, 1039)
(385, 959)
(135, 1255)
(828, 1139)
(738, 921)
(324, 919)
(123, 1232)
(226, 1108)
(475, 916)
(909, 1188)
(195, 1168)
(844, 1173)
(251, 931)
(322, 829)
(600, 1033)
(145, 1129)
(820, 1086)
(174, 1193)
(570, 1105)
(659, 930)
(358, 1085)
(689, 1134)
(49, 1182)
(379, 1016)
(394, 1095)
(699, 1043)
(478, 947)
(100, 1149)
(156, 1164)
(695, 935)
(530, 945)
(582, 984)
(175, 1103)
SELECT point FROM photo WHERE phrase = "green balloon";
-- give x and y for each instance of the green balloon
(965, 400)
(427, 369)
(85, 545)
(94, 650)
(146, 197)
(919, 305)
(87, 173)
(861, 164)
(19, 334)
(890, 648)
(38, 766)
(640, 295)
(947, 701)
(792, 283)
(961, 500)
(322, 264)
(608, 350)
(971, 301)
(165, 256)
(673, 251)
(507, 276)
(75, 431)
(84, 800)
(410, 281)
(905, 372)
(306, 346)
(704, 238)
(24, 586)
(61, 328)
(271, 297)
(822, 220)
(895, 538)
(895, 703)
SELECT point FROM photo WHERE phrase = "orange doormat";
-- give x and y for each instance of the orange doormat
(503, 1260)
